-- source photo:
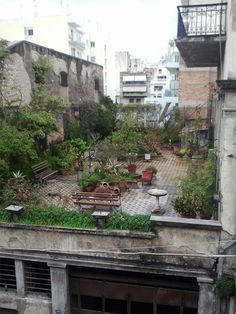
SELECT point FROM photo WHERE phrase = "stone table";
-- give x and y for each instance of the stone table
(157, 193)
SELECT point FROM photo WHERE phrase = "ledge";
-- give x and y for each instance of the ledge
(77, 231)
(185, 223)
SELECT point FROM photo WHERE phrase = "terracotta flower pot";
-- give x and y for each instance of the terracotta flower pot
(132, 168)
(63, 171)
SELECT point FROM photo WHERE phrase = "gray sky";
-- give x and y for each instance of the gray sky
(143, 27)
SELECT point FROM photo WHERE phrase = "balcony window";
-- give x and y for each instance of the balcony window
(92, 44)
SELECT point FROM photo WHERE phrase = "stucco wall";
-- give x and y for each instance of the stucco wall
(117, 246)
(20, 80)
(28, 305)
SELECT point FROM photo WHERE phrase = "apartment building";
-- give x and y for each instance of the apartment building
(206, 38)
(53, 31)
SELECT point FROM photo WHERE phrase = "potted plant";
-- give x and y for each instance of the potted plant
(153, 169)
(65, 163)
(131, 158)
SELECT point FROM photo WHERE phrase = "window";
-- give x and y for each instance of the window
(131, 100)
(138, 100)
(7, 274)
(73, 51)
(158, 88)
(176, 58)
(96, 83)
(72, 34)
(92, 44)
(167, 309)
(30, 32)
(37, 277)
(91, 303)
(116, 306)
(160, 71)
(141, 308)
(93, 59)
(63, 78)
(74, 301)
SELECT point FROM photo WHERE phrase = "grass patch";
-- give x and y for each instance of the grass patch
(35, 214)
(123, 221)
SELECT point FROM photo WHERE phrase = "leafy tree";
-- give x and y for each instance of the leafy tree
(127, 138)
(16, 147)
(97, 119)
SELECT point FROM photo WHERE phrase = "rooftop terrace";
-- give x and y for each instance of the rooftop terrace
(170, 169)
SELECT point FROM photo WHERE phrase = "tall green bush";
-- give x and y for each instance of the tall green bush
(198, 188)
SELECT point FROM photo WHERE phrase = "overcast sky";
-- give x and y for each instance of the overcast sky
(143, 27)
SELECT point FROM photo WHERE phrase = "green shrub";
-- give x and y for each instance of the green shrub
(152, 169)
(225, 287)
(197, 189)
(123, 221)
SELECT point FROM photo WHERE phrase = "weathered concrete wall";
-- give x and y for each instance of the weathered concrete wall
(175, 248)
(20, 79)
(27, 305)
(228, 164)
(178, 237)
(81, 74)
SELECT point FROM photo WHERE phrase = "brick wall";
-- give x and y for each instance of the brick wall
(196, 85)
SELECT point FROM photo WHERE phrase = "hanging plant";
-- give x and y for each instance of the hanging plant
(225, 287)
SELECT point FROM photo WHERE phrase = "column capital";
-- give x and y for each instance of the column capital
(205, 280)
(56, 265)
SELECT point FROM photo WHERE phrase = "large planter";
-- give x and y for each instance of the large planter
(63, 171)
(132, 168)
(147, 177)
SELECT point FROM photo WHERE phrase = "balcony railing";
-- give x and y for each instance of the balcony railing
(202, 20)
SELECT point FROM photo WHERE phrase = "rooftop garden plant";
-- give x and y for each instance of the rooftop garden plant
(36, 214)
(197, 189)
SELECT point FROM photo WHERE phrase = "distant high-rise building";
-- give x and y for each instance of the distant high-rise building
(53, 31)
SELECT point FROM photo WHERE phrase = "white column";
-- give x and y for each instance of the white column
(60, 288)
(206, 299)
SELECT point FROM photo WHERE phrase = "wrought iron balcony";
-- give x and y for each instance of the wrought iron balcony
(202, 20)
(202, 33)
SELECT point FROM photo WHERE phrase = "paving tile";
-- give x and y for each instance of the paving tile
(170, 169)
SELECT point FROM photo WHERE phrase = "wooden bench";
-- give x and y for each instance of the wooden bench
(93, 199)
(42, 172)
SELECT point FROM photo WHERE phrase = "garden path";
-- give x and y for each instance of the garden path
(137, 201)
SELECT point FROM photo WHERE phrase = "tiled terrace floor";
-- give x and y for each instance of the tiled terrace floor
(137, 201)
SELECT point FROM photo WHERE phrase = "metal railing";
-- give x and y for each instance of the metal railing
(202, 20)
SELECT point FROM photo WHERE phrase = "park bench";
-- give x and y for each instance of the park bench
(92, 199)
(42, 172)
